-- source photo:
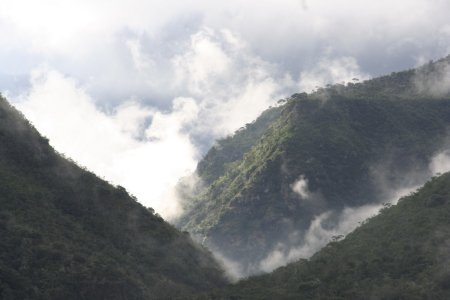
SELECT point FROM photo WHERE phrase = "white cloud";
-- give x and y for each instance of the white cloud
(440, 163)
(93, 40)
(205, 59)
(142, 62)
(334, 224)
(434, 82)
(301, 187)
(319, 234)
(147, 161)
(143, 148)
(232, 85)
(331, 71)
(233, 270)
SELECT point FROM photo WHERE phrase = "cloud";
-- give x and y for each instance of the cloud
(440, 163)
(145, 148)
(321, 231)
(233, 270)
(231, 84)
(301, 187)
(205, 59)
(119, 145)
(433, 80)
(119, 49)
(331, 71)
(334, 224)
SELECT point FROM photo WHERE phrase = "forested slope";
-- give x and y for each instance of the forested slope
(402, 253)
(340, 147)
(66, 234)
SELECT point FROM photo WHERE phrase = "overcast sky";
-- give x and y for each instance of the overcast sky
(138, 90)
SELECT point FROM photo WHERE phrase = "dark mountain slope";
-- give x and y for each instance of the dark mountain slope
(66, 234)
(403, 253)
(221, 156)
(344, 146)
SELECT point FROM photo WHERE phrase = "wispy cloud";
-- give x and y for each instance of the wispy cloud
(336, 224)
(319, 234)
(330, 71)
(300, 186)
(433, 80)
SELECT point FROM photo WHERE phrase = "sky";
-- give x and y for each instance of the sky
(137, 91)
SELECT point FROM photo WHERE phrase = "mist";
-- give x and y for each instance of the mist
(433, 80)
(334, 225)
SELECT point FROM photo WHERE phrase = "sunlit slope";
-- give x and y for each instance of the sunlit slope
(351, 145)
(402, 253)
(66, 234)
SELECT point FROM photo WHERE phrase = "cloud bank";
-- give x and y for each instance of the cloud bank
(119, 145)
(147, 148)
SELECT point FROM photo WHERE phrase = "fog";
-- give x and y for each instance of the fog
(334, 225)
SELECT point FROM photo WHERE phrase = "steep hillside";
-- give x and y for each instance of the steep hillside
(221, 156)
(340, 147)
(403, 253)
(66, 234)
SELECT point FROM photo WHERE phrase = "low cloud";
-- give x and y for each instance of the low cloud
(440, 163)
(301, 187)
(148, 149)
(140, 148)
(330, 71)
(335, 225)
(233, 270)
(433, 80)
(321, 231)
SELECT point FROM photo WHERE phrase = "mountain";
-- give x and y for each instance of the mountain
(317, 155)
(66, 234)
(402, 253)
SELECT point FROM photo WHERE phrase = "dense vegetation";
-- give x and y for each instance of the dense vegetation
(402, 253)
(352, 145)
(221, 156)
(66, 234)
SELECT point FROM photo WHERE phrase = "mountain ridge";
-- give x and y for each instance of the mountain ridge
(351, 145)
(66, 234)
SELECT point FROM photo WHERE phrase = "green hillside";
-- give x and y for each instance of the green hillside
(402, 253)
(221, 156)
(66, 234)
(351, 145)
